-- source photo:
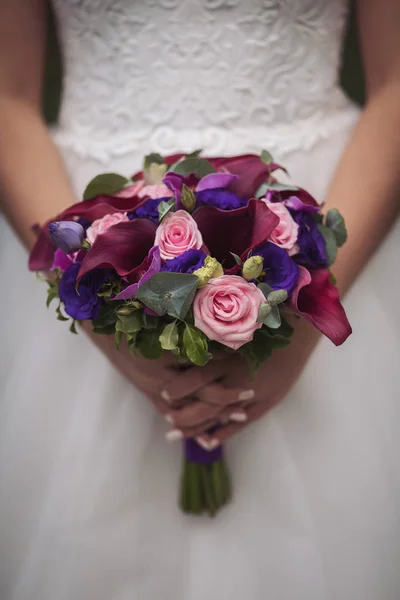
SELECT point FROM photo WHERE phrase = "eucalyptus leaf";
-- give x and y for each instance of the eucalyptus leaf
(165, 207)
(193, 166)
(273, 321)
(169, 337)
(263, 313)
(335, 222)
(196, 346)
(284, 330)
(237, 258)
(265, 288)
(105, 184)
(277, 297)
(170, 293)
(330, 242)
(153, 158)
(148, 342)
(266, 157)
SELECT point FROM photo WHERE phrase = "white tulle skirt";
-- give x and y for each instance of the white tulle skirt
(88, 485)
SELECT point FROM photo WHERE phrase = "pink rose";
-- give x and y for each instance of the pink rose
(177, 233)
(155, 191)
(102, 225)
(286, 232)
(226, 310)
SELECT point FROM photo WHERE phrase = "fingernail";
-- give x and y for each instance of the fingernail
(169, 419)
(238, 417)
(165, 396)
(174, 435)
(207, 444)
(247, 395)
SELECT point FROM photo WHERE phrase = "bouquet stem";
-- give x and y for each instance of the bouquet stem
(205, 482)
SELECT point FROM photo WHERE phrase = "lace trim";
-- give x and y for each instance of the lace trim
(281, 139)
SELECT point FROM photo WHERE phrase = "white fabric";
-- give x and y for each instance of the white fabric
(87, 482)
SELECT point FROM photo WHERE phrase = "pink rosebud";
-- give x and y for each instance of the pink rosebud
(226, 310)
(286, 232)
(177, 233)
(102, 225)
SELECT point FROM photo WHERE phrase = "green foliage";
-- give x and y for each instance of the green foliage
(237, 258)
(336, 224)
(60, 316)
(276, 187)
(263, 313)
(266, 157)
(153, 158)
(148, 342)
(73, 327)
(256, 351)
(277, 297)
(129, 324)
(165, 207)
(330, 242)
(169, 293)
(105, 322)
(273, 320)
(169, 337)
(193, 165)
(196, 346)
(105, 184)
(52, 292)
(265, 288)
(110, 289)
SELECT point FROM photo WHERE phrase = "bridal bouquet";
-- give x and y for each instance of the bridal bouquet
(193, 256)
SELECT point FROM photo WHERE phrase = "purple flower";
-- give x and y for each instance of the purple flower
(281, 272)
(220, 198)
(189, 261)
(61, 260)
(311, 243)
(148, 210)
(151, 266)
(82, 303)
(67, 235)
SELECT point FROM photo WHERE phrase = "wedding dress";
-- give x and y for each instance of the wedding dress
(88, 484)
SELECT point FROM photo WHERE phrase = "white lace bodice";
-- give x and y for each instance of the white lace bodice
(224, 75)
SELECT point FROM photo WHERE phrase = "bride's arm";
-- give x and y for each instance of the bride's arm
(33, 183)
(366, 187)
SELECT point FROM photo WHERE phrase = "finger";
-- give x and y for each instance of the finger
(217, 394)
(187, 383)
(175, 434)
(193, 414)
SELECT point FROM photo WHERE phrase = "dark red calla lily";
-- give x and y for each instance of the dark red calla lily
(98, 207)
(236, 231)
(42, 254)
(249, 168)
(316, 299)
(124, 247)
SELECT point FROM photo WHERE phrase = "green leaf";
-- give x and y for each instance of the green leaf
(277, 297)
(155, 158)
(265, 288)
(165, 207)
(170, 293)
(107, 330)
(148, 342)
(195, 153)
(335, 222)
(274, 186)
(60, 316)
(107, 184)
(285, 329)
(333, 279)
(150, 322)
(130, 323)
(237, 258)
(266, 157)
(73, 327)
(196, 346)
(117, 339)
(106, 317)
(330, 242)
(193, 165)
(169, 337)
(188, 199)
(273, 321)
(52, 293)
(256, 351)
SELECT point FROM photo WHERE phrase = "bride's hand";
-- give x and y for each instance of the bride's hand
(236, 399)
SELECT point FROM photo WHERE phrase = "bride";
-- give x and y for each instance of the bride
(87, 480)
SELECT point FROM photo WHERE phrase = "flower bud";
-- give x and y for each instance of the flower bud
(210, 270)
(253, 267)
(188, 199)
(67, 235)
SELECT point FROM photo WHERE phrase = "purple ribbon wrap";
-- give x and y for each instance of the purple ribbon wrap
(195, 453)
